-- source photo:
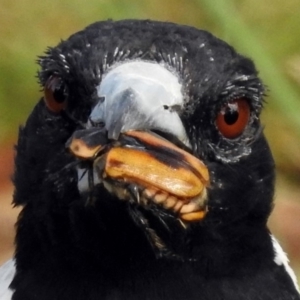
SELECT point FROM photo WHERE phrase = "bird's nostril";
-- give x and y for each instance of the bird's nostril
(97, 123)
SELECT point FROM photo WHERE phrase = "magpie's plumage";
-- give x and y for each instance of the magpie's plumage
(82, 235)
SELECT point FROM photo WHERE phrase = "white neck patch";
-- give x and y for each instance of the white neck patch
(7, 272)
(281, 260)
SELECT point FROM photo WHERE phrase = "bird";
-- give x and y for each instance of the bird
(143, 172)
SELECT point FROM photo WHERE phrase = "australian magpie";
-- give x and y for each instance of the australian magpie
(144, 173)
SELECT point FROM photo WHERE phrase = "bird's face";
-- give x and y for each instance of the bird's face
(163, 120)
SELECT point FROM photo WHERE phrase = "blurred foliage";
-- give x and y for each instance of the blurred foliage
(266, 30)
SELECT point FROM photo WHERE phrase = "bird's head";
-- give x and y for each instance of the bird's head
(149, 126)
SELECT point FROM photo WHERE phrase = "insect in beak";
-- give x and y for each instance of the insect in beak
(142, 166)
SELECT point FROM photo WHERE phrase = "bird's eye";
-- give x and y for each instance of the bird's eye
(233, 118)
(55, 94)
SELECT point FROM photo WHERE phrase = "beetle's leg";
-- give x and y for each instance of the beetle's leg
(134, 192)
(90, 199)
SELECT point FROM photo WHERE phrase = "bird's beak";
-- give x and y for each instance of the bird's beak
(163, 173)
(136, 99)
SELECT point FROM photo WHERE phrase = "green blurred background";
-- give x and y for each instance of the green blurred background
(266, 30)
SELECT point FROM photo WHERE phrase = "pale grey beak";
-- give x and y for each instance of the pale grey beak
(140, 95)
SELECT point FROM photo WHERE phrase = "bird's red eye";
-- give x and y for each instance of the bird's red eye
(233, 118)
(55, 94)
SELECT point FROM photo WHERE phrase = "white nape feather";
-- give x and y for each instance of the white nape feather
(7, 272)
(281, 259)
(140, 95)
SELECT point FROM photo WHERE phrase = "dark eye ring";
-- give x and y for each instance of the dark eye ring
(233, 118)
(55, 94)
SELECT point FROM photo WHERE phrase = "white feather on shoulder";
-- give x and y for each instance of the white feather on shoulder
(282, 259)
(7, 272)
